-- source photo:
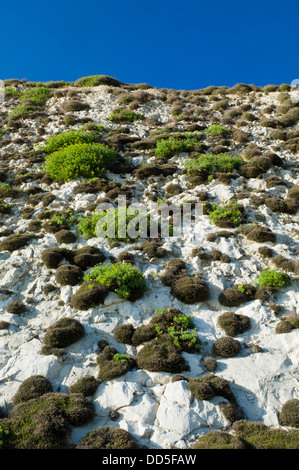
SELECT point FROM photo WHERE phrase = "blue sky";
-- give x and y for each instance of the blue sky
(176, 44)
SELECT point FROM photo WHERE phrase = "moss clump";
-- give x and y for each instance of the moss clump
(65, 236)
(174, 323)
(52, 257)
(113, 365)
(217, 385)
(89, 295)
(88, 256)
(86, 385)
(108, 438)
(283, 327)
(190, 290)
(289, 415)
(87, 160)
(265, 251)
(68, 275)
(210, 363)
(258, 436)
(161, 355)
(143, 334)
(201, 390)
(226, 347)
(124, 333)
(16, 307)
(233, 324)
(63, 333)
(218, 440)
(124, 279)
(33, 387)
(237, 295)
(272, 278)
(14, 242)
(230, 411)
(259, 234)
(45, 422)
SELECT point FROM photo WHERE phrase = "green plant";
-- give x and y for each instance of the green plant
(272, 278)
(121, 115)
(121, 357)
(64, 139)
(211, 163)
(170, 147)
(3, 433)
(229, 211)
(87, 225)
(217, 129)
(37, 95)
(124, 279)
(96, 80)
(242, 289)
(21, 110)
(62, 220)
(87, 160)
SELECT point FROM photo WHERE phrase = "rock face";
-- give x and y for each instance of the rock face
(55, 322)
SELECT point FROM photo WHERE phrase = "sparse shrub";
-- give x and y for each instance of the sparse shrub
(73, 105)
(87, 160)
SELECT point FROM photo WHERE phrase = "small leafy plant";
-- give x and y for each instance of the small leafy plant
(170, 147)
(211, 163)
(84, 159)
(65, 139)
(122, 115)
(217, 129)
(230, 212)
(121, 278)
(272, 278)
(121, 357)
